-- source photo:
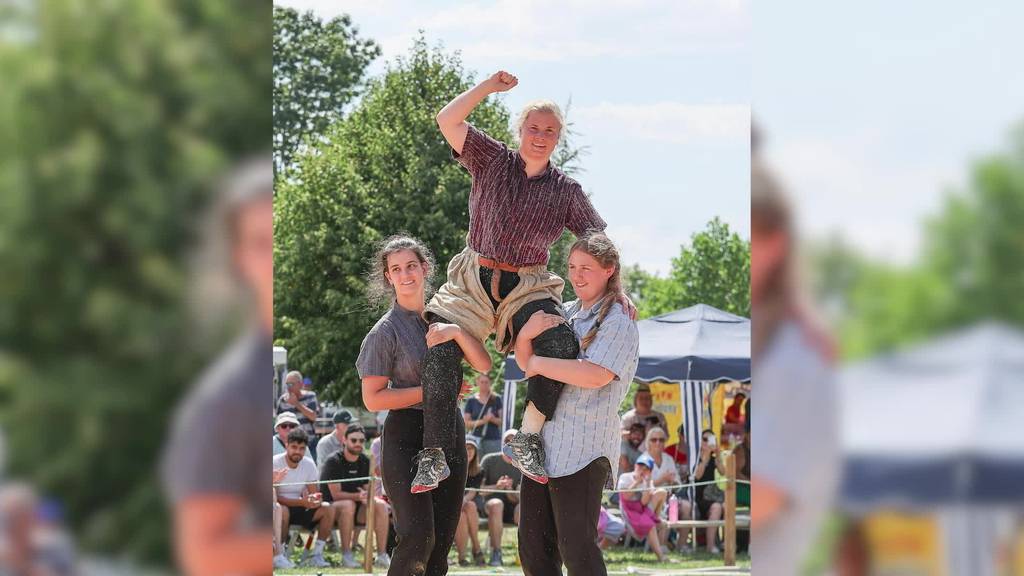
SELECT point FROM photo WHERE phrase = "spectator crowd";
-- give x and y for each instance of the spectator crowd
(322, 481)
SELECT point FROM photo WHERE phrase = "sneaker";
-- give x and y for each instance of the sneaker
(526, 450)
(317, 561)
(280, 561)
(463, 562)
(382, 560)
(348, 561)
(495, 558)
(432, 470)
(479, 559)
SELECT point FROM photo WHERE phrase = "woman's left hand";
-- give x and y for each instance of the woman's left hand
(439, 333)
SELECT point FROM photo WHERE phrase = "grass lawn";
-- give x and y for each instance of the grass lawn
(618, 559)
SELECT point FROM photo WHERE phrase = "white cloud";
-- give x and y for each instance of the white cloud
(541, 31)
(846, 186)
(652, 247)
(670, 122)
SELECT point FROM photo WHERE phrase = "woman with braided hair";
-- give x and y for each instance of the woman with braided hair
(558, 522)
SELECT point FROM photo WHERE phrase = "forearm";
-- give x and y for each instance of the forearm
(524, 350)
(210, 543)
(575, 372)
(226, 554)
(291, 502)
(474, 351)
(392, 398)
(460, 108)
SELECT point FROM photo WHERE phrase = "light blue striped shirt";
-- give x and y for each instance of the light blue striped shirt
(586, 422)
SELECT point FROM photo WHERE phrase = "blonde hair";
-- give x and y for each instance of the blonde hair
(598, 246)
(540, 106)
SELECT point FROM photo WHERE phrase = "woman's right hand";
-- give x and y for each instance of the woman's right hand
(502, 81)
(540, 321)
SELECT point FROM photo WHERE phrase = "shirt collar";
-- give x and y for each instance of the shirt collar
(587, 313)
(404, 312)
(522, 166)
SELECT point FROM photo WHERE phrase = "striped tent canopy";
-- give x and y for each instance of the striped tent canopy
(697, 343)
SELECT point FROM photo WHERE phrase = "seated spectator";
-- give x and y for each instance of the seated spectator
(301, 502)
(303, 404)
(639, 506)
(280, 555)
(500, 474)
(334, 441)
(483, 416)
(472, 507)
(734, 413)
(349, 499)
(285, 423)
(680, 452)
(664, 471)
(632, 447)
(609, 528)
(643, 413)
(710, 499)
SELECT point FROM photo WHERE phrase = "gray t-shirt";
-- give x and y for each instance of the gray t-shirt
(586, 422)
(214, 446)
(327, 445)
(395, 348)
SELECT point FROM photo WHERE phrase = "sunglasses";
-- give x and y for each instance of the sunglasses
(288, 426)
(656, 440)
(357, 440)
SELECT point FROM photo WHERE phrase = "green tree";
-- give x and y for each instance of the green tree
(318, 69)
(971, 267)
(384, 168)
(714, 269)
(116, 118)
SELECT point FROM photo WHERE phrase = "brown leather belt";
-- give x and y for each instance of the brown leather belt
(495, 278)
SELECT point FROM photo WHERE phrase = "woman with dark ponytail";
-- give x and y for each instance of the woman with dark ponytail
(558, 522)
(390, 366)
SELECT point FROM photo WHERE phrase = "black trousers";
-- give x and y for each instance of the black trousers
(442, 366)
(558, 523)
(425, 523)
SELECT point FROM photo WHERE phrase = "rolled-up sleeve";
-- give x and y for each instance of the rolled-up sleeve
(377, 353)
(617, 344)
(582, 217)
(478, 151)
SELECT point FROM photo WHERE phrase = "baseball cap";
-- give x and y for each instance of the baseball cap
(286, 417)
(342, 417)
(646, 460)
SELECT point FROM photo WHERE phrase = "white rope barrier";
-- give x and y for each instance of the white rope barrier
(672, 487)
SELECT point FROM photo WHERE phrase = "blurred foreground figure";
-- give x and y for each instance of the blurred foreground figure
(795, 476)
(215, 465)
(33, 541)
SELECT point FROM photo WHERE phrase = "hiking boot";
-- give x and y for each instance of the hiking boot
(431, 470)
(526, 451)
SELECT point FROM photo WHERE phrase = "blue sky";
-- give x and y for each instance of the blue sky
(874, 110)
(660, 93)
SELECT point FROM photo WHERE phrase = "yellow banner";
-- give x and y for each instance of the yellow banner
(668, 400)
